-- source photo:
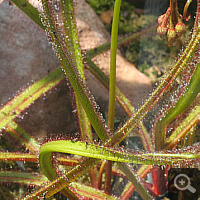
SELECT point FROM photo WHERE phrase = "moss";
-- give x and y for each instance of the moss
(102, 5)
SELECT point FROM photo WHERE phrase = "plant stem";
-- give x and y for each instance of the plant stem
(172, 2)
(113, 52)
(100, 175)
(108, 176)
(93, 177)
(112, 87)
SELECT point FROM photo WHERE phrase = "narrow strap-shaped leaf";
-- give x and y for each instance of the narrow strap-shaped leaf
(19, 157)
(84, 149)
(129, 188)
(70, 34)
(28, 9)
(100, 152)
(24, 99)
(180, 106)
(90, 192)
(189, 140)
(80, 169)
(84, 122)
(94, 151)
(23, 178)
(66, 21)
(135, 181)
(64, 180)
(71, 71)
(181, 131)
(18, 132)
(34, 158)
(39, 180)
(26, 157)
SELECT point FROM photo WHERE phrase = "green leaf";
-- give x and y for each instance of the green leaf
(71, 70)
(24, 99)
(130, 188)
(106, 153)
(66, 21)
(181, 131)
(28, 9)
(135, 181)
(179, 107)
(18, 132)
(23, 178)
(5, 156)
(90, 192)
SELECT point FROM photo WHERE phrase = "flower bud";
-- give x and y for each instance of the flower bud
(180, 28)
(162, 31)
(171, 36)
(161, 18)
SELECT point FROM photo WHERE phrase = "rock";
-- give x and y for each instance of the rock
(107, 16)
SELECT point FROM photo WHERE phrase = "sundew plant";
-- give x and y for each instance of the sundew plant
(169, 139)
